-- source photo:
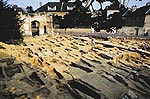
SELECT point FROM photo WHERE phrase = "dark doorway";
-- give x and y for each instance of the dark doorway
(35, 27)
(136, 31)
(45, 31)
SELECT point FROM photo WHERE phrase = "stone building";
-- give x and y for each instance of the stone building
(41, 22)
(114, 8)
(56, 8)
(37, 24)
(137, 21)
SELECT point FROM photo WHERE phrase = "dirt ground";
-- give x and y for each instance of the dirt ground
(79, 30)
(67, 67)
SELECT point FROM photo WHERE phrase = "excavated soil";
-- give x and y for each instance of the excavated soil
(66, 67)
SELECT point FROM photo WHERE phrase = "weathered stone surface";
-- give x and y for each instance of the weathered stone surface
(64, 67)
(24, 82)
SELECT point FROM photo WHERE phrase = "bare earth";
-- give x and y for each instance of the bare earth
(65, 67)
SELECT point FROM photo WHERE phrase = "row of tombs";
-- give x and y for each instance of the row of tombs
(37, 24)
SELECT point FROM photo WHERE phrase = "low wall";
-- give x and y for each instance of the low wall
(132, 31)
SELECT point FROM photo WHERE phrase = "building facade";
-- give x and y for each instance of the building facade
(57, 8)
(137, 22)
(37, 24)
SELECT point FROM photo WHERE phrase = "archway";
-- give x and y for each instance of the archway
(35, 27)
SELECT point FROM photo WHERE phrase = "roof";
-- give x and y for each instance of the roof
(141, 11)
(56, 7)
(114, 6)
(148, 12)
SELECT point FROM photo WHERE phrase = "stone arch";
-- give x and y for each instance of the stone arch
(35, 27)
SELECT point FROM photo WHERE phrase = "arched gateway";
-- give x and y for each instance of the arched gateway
(35, 27)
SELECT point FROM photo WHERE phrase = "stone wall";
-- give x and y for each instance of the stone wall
(132, 30)
(45, 23)
(147, 23)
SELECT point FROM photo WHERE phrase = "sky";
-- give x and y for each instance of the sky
(35, 3)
